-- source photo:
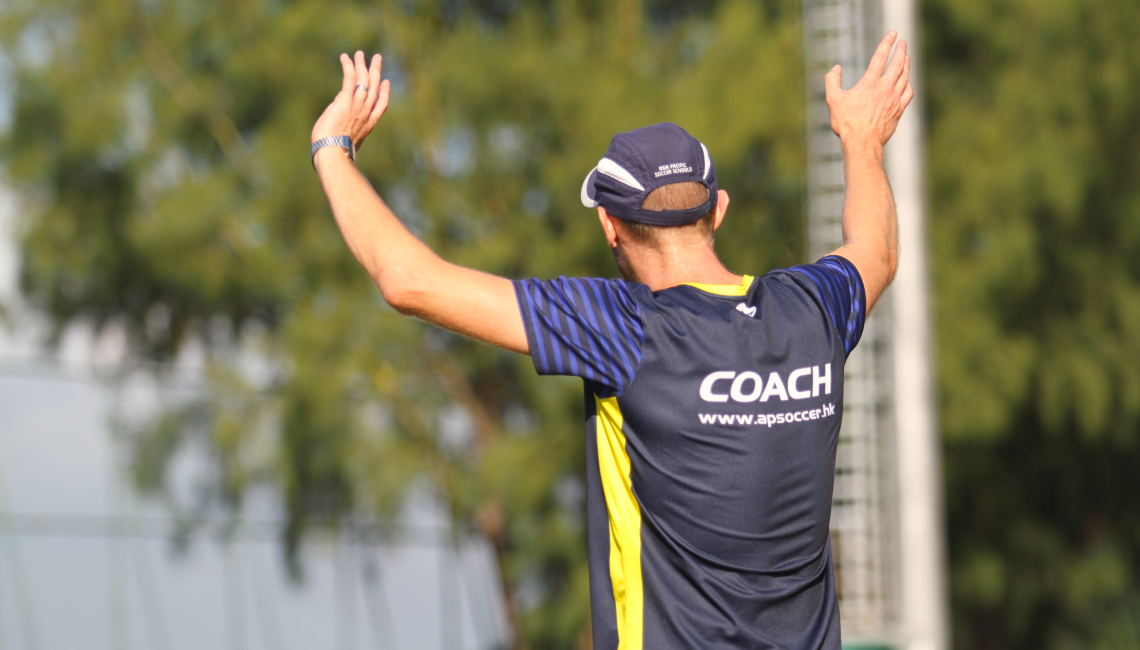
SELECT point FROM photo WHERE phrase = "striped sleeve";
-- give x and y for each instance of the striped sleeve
(840, 287)
(589, 328)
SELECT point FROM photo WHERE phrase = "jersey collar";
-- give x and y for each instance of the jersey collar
(725, 289)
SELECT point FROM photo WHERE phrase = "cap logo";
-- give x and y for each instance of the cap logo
(619, 173)
(673, 168)
(641, 160)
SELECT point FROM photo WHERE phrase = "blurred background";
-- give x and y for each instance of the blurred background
(214, 433)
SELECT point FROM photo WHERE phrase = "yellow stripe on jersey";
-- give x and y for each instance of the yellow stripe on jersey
(725, 289)
(625, 524)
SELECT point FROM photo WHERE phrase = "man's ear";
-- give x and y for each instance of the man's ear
(721, 208)
(608, 227)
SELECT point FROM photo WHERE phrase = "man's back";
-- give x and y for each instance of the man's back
(712, 420)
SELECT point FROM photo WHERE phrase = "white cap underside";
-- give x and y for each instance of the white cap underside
(586, 200)
(708, 163)
(619, 173)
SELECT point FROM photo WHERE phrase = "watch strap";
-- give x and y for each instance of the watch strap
(342, 141)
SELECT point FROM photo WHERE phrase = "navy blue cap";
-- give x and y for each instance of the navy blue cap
(643, 160)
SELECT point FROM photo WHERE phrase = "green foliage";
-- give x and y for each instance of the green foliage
(1035, 195)
(160, 150)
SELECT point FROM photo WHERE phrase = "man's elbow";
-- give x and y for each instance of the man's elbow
(401, 290)
(892, 265)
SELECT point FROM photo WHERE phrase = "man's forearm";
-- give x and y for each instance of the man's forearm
(870, 226)
(383, 246)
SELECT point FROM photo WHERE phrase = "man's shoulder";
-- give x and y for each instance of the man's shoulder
(835, 285)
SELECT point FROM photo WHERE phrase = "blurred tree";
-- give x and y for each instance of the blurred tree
(160, 150)
(1035, 193)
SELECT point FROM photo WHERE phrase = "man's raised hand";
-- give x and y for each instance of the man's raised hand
(872, 108)
(359, 104)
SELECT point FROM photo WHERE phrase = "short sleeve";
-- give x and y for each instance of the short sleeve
(840, 288)
(585, 327)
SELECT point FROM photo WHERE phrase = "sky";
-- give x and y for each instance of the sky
(64, 583)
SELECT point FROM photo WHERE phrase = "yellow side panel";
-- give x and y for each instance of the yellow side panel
(625, 524)
(726, 289)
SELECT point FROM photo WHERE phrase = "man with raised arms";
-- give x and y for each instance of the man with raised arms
(713, 400)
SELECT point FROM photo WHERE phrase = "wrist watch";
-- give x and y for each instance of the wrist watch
(342, 141)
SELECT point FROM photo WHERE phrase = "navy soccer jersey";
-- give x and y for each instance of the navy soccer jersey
(712, 417)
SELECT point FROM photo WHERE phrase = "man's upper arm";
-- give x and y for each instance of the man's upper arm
(588, 328)
(468, 302)
(875, 272)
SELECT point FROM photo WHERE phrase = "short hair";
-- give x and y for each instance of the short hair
(674, 196)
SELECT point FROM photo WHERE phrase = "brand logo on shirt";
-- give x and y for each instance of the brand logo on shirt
(746, 310)
(749, 386)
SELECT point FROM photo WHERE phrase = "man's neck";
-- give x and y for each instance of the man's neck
(671, 266)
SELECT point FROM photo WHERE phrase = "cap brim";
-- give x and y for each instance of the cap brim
(590, 189)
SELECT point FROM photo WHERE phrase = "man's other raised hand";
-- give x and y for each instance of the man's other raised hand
(870, 111)
(354, 111)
